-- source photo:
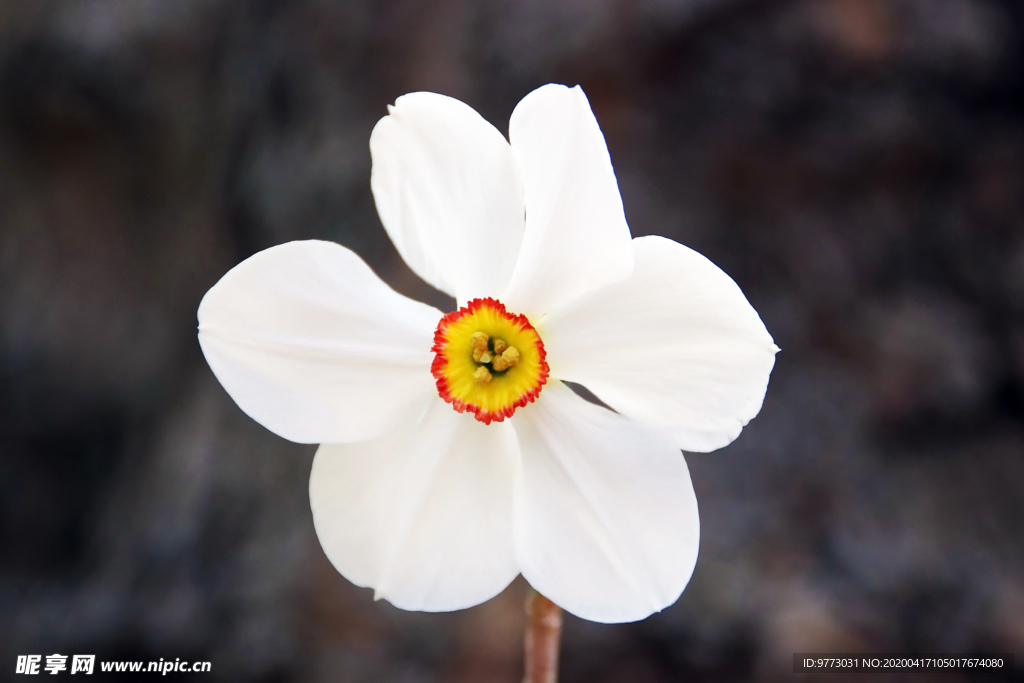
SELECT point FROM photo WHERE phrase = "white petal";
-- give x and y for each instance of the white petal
(448, 193)
(676, 346)
(313, 346)
(606, 518)
(423, 515)
(576, 234)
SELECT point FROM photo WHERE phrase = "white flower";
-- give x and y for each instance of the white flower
(439, 509)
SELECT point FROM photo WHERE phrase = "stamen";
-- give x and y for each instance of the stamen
(501, 358)
(482, 376)
(480, 351)
(506, 360)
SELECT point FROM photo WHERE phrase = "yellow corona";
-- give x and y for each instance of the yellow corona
(488, 361)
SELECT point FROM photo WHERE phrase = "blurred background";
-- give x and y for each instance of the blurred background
(857, 166)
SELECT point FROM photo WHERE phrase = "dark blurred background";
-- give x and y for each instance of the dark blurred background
(856, 165)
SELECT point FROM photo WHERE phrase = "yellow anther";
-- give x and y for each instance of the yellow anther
(478, 340)
(501, 358)
(508, 358)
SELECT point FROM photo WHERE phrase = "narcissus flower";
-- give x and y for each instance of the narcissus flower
(452, 455)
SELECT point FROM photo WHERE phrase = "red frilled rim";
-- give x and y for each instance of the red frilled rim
(439, 363)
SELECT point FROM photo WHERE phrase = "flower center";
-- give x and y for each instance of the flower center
(488, 361)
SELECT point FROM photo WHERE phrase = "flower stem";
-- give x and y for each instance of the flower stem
(543, 637)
